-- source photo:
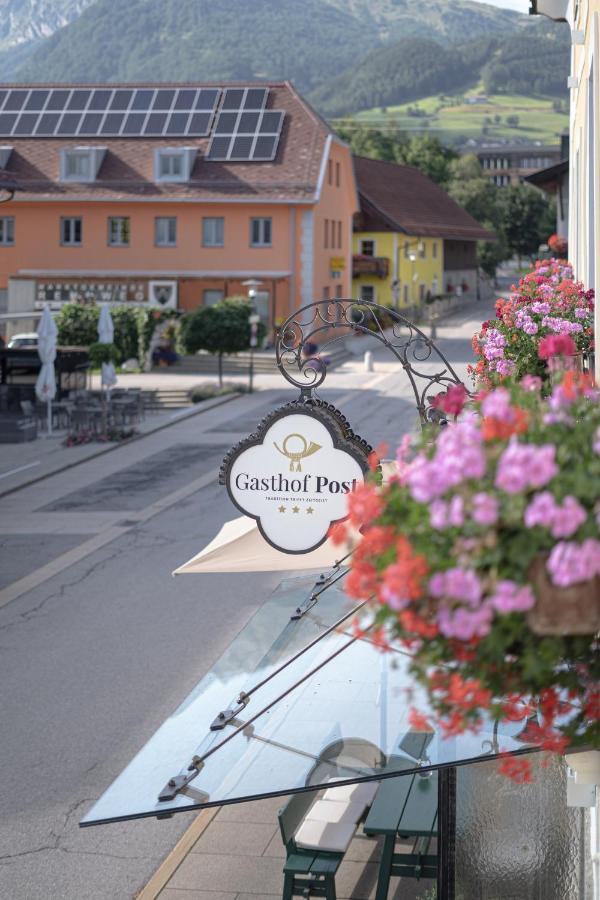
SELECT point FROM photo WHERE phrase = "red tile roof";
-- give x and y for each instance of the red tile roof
(126, 172)
(401, 198)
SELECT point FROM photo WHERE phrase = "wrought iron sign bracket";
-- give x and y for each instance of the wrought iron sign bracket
(305, 337)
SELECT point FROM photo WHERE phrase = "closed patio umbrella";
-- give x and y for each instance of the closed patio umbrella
(106, 333)
(45, 386)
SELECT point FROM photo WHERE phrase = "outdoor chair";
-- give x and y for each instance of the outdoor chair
(79, 419)
(316, 830)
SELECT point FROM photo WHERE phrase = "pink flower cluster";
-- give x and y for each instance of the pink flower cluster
(525, 466)
(484, 511)
(473, 617)
(459, 455)
(563, 519)
(570, 562)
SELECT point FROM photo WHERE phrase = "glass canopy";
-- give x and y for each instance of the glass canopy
(336, 712)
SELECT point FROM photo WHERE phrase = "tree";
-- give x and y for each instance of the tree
(528, 218)
(77, 325)
(373, 142)
(430, 156)
(219, 329)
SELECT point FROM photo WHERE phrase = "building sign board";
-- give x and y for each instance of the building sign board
(294, 475)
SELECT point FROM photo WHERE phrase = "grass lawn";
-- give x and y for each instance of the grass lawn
(453, 118)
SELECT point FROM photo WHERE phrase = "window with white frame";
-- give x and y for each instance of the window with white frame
(118, 231)
(260, 232)
(81, 164)
(71, 231)
(213, 231)
(165, 231)
(367, 292)
(211, 296)
(174, 163)
(422, 249)
(7, 231)
(434, 250)
(367, 248)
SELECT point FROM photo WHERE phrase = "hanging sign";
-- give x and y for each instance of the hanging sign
(294, 475)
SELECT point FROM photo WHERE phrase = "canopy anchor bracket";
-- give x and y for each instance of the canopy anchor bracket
(178, 782)
(228, 715)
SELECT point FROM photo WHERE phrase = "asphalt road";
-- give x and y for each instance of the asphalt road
(97, 655)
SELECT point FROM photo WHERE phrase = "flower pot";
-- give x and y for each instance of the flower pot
(563, 610)
(586, 766)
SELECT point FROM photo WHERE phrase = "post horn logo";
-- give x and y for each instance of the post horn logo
(297, 453)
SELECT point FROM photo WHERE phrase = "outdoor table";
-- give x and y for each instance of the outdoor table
(405, 806)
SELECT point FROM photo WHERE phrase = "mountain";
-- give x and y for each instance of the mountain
(25, 23)
(535, 62)
(308, 42)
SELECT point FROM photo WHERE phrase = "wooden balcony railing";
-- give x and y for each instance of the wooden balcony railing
(370, 265)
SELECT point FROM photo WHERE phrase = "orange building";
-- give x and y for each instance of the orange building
(172, 194)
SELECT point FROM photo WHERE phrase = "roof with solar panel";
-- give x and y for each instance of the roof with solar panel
(246, 140)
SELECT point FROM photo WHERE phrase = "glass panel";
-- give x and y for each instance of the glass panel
(185, 98)
(90, 123)
(270, 123)
(3, 96)
(26, 123)
(255, 98)
(7, 122)
(233, 98)
(207, 98)
(15, 100)
(347, 720)
(264, 148)
(199, 123)
(79, 100)
(520, 840)
(121, 100)
(112, 123)
(57, 100)
(242, 147)
(37, 100)
(226, 123)
(163, 99)
(100, 100)
(156, 123)
(248, 123)
(69, 123)
(219, 147)
(48, 123)
(177, 123)
(134, 123)
(142, 99)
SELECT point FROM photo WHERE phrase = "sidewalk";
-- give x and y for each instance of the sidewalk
(239, 855)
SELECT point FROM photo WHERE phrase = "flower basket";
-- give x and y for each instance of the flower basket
(562, 610)
(482, 559)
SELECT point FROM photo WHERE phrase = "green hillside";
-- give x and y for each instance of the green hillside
(454, 119)
(308, 42)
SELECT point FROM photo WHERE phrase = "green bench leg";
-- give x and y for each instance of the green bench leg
(330, 889)
(385, 867)
(288, 886)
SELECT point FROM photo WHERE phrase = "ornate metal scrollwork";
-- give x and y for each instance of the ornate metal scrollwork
(327, 320)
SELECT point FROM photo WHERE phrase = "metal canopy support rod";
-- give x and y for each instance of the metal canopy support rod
(177, 782)
(301, 362)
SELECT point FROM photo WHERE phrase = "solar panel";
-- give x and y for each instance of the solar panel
(245, 131)
(112, 112)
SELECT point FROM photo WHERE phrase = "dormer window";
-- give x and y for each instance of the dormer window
(4, 156)
(81, 164)
(174, 163)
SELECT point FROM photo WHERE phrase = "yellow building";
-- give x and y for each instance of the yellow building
(410, 238)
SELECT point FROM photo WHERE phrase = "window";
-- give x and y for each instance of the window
(7, 231)
(406, 295)
(339, 235)
(213, 231)
(434, 250)
(338, 291)
(326, 233)
(81, 164)
(422, 249)
(326, 293)
(165, 231)
(212, 296)
(406, 250)
(367, 292)
(367, 248)
(329, 171)
(337, 174)
(174, 163)
(260, 232)
(421, 292)
(70, 231)
(118, 231)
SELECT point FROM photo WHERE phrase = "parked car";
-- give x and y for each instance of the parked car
(18, 341)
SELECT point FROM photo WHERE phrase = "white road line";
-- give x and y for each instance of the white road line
(21, 469)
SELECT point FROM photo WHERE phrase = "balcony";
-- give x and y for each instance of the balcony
(379, 266)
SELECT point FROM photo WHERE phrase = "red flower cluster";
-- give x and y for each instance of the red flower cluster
(556, 345)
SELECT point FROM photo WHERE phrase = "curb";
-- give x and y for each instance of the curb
(204, 406)
(180, 851)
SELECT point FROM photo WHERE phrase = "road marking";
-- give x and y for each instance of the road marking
(169, 866)
(21, 469)
(68, 559)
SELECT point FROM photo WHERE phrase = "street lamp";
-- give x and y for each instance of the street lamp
(413, 259)
(253, 319)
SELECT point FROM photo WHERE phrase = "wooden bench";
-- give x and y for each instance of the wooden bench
(316, 829)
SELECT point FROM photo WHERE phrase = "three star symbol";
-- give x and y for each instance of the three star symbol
(296, 509)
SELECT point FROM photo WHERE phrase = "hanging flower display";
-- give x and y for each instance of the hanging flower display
(482, 557)
(547, 303)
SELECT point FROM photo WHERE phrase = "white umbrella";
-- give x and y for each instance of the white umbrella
(45, 386)
(106, 333)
